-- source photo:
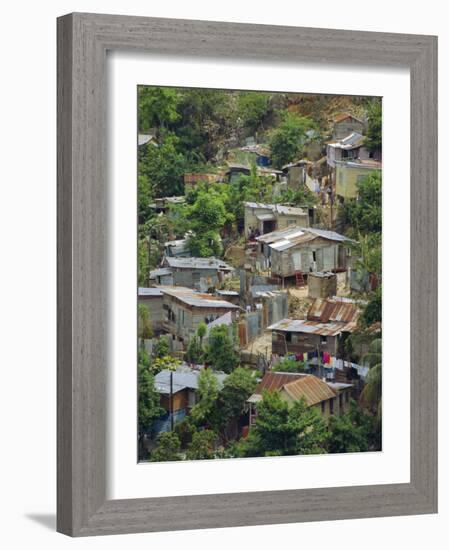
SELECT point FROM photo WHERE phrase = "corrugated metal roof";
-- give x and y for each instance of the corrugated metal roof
(279, 208)
(198, 263)
(295, 236)
(160, 272)
(326, 310)
(347, 143)
(183, 377)
(312, 327)
(149, 291)
(312, 389)
(196, 299)
(276, 380)
(296, 385)
(344, 116)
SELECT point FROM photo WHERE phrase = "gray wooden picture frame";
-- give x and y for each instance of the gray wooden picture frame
(83, 40)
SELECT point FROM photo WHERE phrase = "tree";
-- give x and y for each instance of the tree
(168, 448)
(194, 353)
(145, 329)
(253, 109)
(201, 332)
(287, 140)
(237, 387)
(371, 395)
(158, 107)
(373, 310)
(350, 432)
(163, 167)
(207, 215)
(373, 140)
(202, 445)
(364, 214)
(220, 351)
(208, 393)
(185, 430)
(161, 348)
(149, 400)
(281, 429)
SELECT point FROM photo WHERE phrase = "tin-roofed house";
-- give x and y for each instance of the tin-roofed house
(349, 173)
(302, 249)
(329, 398)
(198, 273)
(263, 218)
(328, 322)
(347, 148)
(152, 299)
(185, 308)
(345, 124)
(179, 393)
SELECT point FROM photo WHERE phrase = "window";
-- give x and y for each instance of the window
(323, 406)
(314, 255)
(340, 401)
(324, 340)
(331, 405)
(288, 337)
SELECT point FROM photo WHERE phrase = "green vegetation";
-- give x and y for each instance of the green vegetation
(288, 139)
(281, 429)
(220, 352)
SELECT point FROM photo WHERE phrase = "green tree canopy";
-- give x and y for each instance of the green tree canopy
(281, 429)
(168, 448)
(148, 399)
(287, 140)
(202, 445)
(253, 109)
(220, 352)
(374, 132)
(208, 393)
(350, 432)
(364, 214)
(158, 107)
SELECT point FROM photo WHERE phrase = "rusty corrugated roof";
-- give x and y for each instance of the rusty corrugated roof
(332, 310)
(313, 389)
(296, 385)
(276, 380)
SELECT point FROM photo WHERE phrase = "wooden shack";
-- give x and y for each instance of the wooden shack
(303, 249)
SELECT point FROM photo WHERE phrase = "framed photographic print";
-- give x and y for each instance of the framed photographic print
(246, 274)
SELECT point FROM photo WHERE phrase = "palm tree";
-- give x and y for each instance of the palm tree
(371, 396)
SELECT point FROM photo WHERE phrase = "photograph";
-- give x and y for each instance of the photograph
(259, 292)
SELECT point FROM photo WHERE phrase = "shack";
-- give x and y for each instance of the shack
(184, 309)
(328, 398)
(152, 299)
(328, 323)
(178, 392)
(345, 123)
(347, 148)
(351, 172)
(198, 273)
(263, 218)
(322, 284)
(302, 249)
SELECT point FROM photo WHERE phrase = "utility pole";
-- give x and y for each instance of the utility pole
(171, 401)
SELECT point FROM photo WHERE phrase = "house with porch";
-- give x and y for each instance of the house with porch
(328, 323)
